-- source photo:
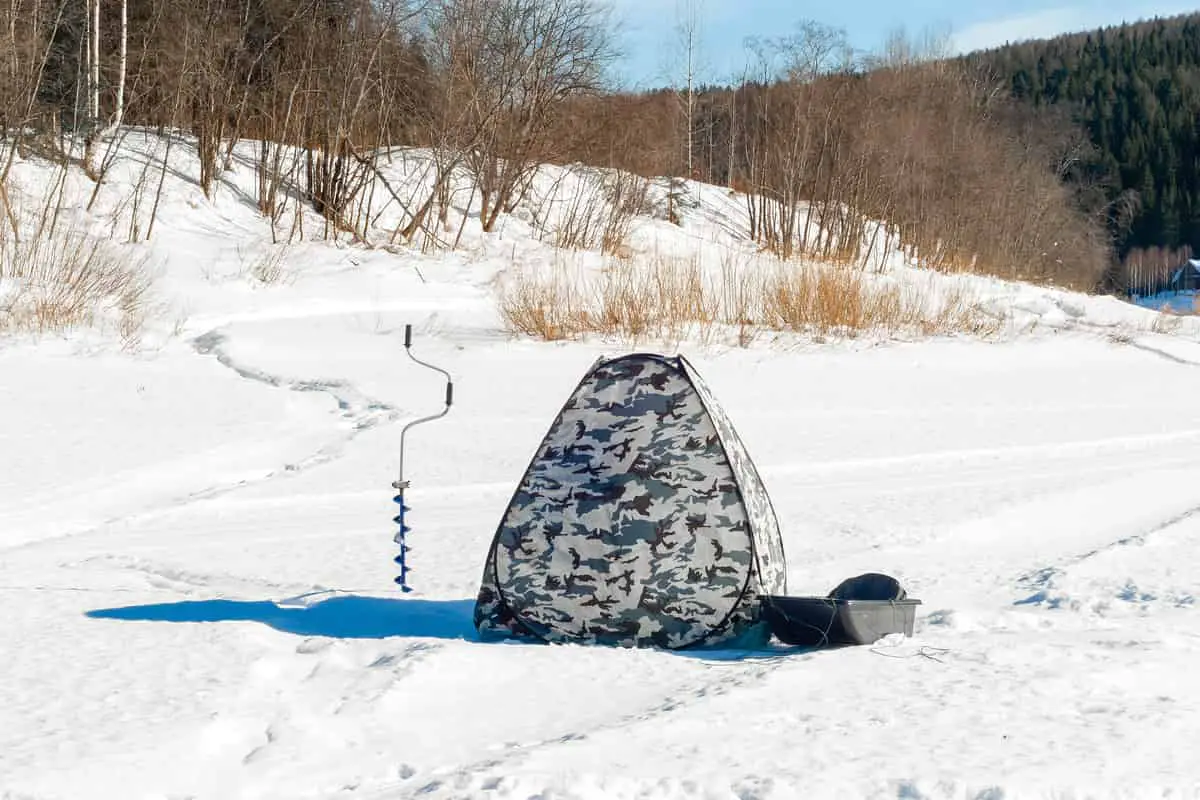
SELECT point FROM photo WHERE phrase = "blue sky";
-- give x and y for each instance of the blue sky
(649, 40)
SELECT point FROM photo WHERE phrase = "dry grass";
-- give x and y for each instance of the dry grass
(623, 299)
(846, 302)
(545, 307)
(664, 297)
(69, 279)
(599, 213)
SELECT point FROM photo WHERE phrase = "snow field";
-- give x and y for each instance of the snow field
(195, 548)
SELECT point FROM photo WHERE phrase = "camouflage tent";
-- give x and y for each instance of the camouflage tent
(641, 520)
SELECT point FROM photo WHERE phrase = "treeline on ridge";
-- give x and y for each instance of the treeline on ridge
(1136, 90)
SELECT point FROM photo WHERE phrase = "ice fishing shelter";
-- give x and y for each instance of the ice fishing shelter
(641, 520)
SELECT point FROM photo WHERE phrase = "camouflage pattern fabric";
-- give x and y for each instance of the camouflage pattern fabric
(772, 566)
(630, 527)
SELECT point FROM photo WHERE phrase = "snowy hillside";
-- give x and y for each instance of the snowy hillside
(196, 537)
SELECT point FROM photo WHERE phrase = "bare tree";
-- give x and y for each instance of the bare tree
(687, 29)
(94, 62)
(812, 51)
(118, 115)
(506, 69)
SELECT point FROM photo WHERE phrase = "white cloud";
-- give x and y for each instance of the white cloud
(1054, 21)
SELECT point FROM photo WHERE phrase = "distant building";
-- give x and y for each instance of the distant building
(1186, 278)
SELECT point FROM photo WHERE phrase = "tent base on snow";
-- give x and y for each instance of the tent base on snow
(641, 520)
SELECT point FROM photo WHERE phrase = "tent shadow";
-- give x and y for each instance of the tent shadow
(359, 617)
(770, 651)
(342, 617)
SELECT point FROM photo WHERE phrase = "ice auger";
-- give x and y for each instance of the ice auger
(401, 484)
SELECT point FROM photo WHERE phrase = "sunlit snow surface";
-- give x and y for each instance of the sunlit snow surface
(196, 557)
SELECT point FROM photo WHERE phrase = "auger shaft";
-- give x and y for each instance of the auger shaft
(400, 484)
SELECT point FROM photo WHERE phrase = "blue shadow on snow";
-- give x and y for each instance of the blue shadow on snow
(356, 617)
(345, 617)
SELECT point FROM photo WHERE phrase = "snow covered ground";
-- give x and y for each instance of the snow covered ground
(196, 574)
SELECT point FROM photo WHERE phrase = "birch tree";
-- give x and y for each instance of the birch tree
(118, 115)
(688, 31)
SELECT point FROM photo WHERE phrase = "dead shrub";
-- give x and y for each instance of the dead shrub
(69, 279)
(838, 301)
(268, 266)
(598, 215)
(580, 221)
(673, 297)
(544, 306)
(803, 298)
(626, 199)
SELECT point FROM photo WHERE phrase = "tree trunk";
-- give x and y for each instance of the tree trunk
(94, 66)
(119, 111)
